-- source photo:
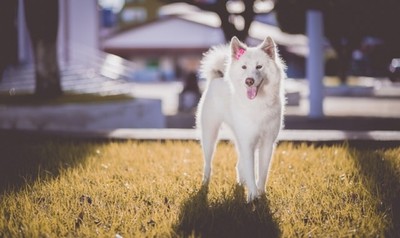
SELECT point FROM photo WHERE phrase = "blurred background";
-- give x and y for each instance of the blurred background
(152, 49)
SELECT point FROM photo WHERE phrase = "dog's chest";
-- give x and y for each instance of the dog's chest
(256, 113)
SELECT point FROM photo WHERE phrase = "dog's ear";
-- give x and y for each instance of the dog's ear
(237, 48)
(268, 46)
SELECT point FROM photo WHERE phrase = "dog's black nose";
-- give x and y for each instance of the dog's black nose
(249, 81)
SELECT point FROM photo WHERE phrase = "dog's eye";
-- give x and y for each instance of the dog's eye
(258, 66)
(244, 67)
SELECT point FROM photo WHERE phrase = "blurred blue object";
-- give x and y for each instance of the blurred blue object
(108, 17)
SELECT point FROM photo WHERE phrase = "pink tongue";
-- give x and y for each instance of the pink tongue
(251, 92)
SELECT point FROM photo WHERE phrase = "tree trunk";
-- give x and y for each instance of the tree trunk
(42, 23)
(8, 34)
(47, 72)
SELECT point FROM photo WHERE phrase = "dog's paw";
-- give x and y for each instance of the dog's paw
(261, 192)
(205, 182)
(252, 196)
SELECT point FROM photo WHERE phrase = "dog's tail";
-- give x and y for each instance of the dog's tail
(213, 64)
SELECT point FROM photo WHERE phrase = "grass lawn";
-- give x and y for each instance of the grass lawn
(61, 188)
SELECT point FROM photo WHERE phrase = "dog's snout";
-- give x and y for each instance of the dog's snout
(249, 81)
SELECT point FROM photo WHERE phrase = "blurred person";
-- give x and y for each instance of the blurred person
(190, 94)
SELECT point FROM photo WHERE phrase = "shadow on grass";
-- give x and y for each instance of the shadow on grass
(379, 171)
(25, 157)
(228, 217)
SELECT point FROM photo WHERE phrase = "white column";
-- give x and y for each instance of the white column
(63, 34)
(83, 26)
(315, 62)
(24, 48)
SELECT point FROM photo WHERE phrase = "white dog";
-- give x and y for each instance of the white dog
(245, 91)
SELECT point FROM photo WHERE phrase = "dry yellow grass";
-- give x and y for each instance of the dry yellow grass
(151, 189)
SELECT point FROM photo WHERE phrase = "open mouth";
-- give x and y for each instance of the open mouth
(252, 90)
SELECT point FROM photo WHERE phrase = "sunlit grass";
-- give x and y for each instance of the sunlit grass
(147, 189)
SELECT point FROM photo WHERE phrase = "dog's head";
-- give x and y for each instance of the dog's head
(252, 68)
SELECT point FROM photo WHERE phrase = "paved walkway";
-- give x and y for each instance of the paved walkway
(361, 139)
(376, 106)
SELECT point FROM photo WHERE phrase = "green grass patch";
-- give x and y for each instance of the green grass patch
(67, 98)
(152, 189)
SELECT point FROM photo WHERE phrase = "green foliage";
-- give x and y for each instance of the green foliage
(152, 189)
(343, 18)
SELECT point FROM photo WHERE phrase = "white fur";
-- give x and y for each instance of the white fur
(256, 122)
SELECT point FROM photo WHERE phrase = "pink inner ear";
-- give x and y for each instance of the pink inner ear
(270, 50)
(239, 53)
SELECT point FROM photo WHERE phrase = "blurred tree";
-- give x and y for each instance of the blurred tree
(8, 33)
(347, 23)
(232, 23)
(42, 22)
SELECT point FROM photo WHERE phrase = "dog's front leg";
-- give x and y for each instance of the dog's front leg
(245, 168)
